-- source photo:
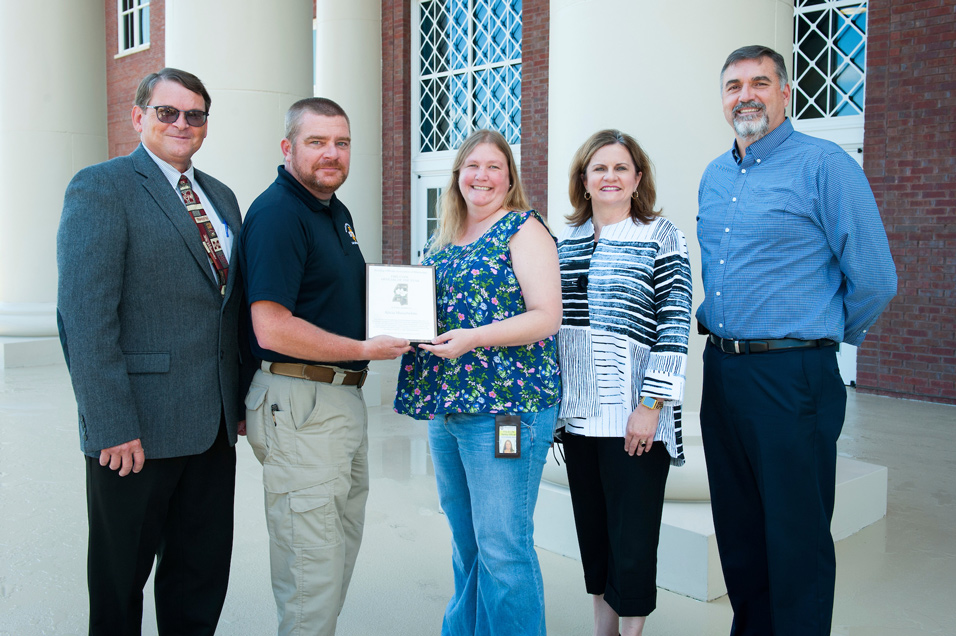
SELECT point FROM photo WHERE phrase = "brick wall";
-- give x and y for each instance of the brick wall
(536, 27)
(909, 159)
(123, 75)
(396, 131)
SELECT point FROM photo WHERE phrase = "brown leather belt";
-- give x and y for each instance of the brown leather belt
(762, 346)
(315, 373)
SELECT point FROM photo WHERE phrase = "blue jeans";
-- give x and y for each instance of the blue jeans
(489, 503)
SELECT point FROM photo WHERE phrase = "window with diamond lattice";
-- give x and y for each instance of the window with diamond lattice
(469, 70)
(829, 58)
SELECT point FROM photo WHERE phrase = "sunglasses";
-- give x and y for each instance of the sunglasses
(170, 115)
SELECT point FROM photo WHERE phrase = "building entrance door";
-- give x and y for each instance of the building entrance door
(425, 196)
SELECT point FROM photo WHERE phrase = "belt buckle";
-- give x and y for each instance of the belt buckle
(736, 346)
(361, 381)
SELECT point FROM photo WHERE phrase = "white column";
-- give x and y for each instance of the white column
(653, 71)
(348, 62)
(52, 123)
(255, 58)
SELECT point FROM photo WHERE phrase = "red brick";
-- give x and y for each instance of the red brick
(908, 157)
(123, 75)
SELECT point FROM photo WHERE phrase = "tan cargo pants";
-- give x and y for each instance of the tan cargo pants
(312, 441)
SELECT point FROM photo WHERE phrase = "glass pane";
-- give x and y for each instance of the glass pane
(144, 25)
(128, 42)
(459, 35)
(429, 35)
(498, 101)
(431, 210)
(444, 36)
(428, 115)
(829, 58)
(458, 114)
(497, 34)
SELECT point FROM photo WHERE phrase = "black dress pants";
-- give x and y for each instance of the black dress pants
(618, 501)
(178, 511)
(770, 423)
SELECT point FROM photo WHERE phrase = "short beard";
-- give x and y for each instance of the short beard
(754, 128)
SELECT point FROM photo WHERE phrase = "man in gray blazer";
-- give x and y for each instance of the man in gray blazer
(148, 312)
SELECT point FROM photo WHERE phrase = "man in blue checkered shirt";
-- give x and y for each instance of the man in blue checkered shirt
(794, 260)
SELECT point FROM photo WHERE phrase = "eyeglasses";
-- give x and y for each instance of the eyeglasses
(170, 115)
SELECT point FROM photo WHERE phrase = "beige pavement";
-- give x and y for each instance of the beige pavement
(896, 577)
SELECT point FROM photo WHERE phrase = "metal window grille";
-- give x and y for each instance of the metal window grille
(829, 58)
(133, 24)
(469, 70)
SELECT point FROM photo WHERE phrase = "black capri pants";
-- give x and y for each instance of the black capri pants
(618, 500)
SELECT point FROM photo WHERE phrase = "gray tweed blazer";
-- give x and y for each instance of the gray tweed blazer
(151, 345)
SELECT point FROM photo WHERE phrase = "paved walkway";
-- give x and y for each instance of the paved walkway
(896, 577)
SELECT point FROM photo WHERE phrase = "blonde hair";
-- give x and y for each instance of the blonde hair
(642, 208)
(452, 210)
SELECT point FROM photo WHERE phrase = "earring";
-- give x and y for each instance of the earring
(587, 195)
(634, 195)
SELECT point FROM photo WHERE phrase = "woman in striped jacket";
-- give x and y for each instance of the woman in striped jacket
(626, 289)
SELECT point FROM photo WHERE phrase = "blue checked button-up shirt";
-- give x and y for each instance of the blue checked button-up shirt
(792, 244)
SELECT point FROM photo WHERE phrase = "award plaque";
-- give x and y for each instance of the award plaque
(400, 302)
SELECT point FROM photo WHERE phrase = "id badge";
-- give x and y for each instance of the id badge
(507, 436)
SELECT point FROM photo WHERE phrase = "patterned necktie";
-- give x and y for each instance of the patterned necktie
(208, 233)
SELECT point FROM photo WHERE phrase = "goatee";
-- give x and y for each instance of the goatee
(754, 126)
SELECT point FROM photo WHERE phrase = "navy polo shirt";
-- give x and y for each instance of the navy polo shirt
(298, 252)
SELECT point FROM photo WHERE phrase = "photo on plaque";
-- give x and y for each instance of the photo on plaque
(400, 302)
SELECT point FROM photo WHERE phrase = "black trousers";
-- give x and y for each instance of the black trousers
(178, 511)
(770, 423)
(618, 500)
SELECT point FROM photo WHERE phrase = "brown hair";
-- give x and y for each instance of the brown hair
(187, 80)
(315, 105)
(642, 208)
(452, 209)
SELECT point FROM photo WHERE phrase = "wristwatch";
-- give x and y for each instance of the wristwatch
(652, 403)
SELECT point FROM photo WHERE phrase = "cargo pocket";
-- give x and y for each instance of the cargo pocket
(313, 516)
(256, 421)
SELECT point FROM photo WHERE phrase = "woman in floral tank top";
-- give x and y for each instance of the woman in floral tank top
(499, 307)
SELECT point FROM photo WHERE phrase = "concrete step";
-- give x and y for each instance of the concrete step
(688, 562)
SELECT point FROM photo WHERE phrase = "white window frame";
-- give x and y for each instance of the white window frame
(847, 130)
(138, 9)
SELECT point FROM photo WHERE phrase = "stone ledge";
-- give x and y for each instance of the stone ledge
(688, 562)
(29, 352)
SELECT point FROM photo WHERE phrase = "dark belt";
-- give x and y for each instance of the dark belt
(315, 373)
(762, 346)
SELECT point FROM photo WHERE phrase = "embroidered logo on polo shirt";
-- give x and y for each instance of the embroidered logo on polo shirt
(351, 232)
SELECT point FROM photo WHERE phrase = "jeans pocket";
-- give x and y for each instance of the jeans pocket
(313, 516)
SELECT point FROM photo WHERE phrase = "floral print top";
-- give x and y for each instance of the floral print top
(476, 285)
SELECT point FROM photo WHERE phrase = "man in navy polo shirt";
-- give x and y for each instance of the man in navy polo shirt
(306, 419)
(794, 260)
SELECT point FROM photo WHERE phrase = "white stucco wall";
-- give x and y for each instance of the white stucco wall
(651, 69)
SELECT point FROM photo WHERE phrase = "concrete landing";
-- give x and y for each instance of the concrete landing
(29, 352)
(688, 562)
